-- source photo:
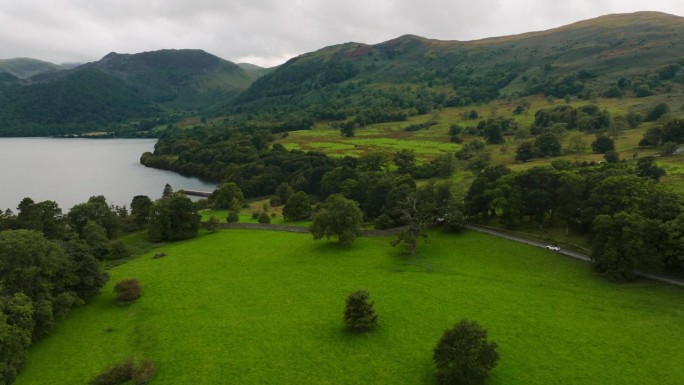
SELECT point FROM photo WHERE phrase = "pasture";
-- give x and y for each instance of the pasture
(255, 307)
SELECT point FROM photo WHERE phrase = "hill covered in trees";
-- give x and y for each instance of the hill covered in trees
(120, 92)
(354, 84)
(614, 55)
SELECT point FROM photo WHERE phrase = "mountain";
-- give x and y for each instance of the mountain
(353, 83)
(24, 68)
(255, 70)
(412, 74)
(180, 78)
(118, 89)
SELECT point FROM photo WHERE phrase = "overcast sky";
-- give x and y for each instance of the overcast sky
(268, 32)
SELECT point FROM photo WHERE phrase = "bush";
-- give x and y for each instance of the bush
(264, 218)
(117, 374)
(463, 355)
(127, 291)
(144, 373)
(359, 313)
(232, 217)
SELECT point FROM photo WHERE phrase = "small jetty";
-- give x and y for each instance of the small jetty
(196, 193)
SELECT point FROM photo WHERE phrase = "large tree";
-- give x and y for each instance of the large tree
(227, 196)
(339, 218)
(626, 242)
(173, 217)
(297, 207)
(464, 356)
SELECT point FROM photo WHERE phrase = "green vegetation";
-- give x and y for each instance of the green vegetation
(464, 356)
(359, 313)
(266, 310)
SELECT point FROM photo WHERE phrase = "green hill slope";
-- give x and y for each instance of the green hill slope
(178, 78)
(111, 93)
(412, 75)
(24, 68)
(231, 308)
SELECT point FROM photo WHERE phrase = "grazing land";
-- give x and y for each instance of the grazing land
(254, 307)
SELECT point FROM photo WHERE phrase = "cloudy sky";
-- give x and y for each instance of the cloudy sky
(268, 32)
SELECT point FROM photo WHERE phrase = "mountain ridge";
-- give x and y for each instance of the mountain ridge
(392, 80)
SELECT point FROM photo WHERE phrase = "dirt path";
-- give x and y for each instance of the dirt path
(300, 229)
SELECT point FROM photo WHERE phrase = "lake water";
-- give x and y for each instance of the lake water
(69, 171)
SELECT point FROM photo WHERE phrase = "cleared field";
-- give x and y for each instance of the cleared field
(255, 307)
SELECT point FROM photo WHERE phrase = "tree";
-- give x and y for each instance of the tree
(625, 242)
(405, 160)
(576, 143)
(668, 149)
(264, 218)
(212, 224)
(656, 112)
(646, 167)
(611, 156)
(284, 191)
(359, 313)
(602, 144)
(227, 196)
(96, 209)
(464, 356)
(233, 216)
(340, 218)
(547, 145)
(524, 152)
(297, 207)
(417, 216)
(140, 209)
(13, 349)
(173, 218)
(168, 190)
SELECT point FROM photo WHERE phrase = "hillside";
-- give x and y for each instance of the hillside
(411, 75)
(255, 70)
(25, 68)
(109, 94)
(356, 84)
(184, 79)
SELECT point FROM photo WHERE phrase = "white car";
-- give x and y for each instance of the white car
(553, 247)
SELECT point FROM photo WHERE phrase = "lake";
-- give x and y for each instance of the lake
(69, 171)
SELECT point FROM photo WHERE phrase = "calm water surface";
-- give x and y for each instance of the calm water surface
(69, 171)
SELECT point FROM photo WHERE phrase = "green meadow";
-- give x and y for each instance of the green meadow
(258, 307)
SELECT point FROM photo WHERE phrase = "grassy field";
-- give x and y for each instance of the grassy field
(255, 307)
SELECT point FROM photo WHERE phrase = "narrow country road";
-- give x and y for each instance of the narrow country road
(572, 254)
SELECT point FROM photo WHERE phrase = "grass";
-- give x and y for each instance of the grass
(254, 307)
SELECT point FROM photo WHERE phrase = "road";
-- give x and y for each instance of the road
(571, 254)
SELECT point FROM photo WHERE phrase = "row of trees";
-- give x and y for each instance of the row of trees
(631, 219)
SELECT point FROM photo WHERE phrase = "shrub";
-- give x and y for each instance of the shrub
(127, 291)
(463, 355)
(359, 313)
(115, 375)
(144, 373)
(233, 216)
(264, 218)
